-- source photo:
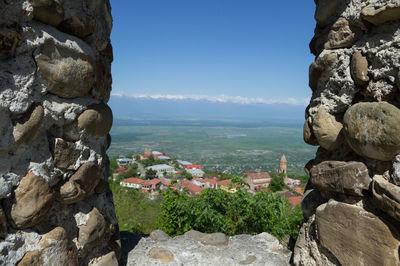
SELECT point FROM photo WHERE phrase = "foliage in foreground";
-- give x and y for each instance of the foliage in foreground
(216, 210)
(135, 211)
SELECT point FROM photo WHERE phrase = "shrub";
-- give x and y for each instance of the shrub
(216, 210)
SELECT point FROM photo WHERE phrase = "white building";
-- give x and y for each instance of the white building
(162, 169)
(124, 161)
(183, 163)
(165, 158)
(196, 172)
(132, 182)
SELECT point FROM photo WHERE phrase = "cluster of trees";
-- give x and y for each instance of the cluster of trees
(216, 210)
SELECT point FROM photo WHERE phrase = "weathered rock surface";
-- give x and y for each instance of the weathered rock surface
(308, 135)
(6, 130)
(317, 69)
(3, 223)
(359, 68)
(159, 235)
(307, 251)
(327, 130)
(31, 258)
(161, 254)
(310, 202)
(355, 236)
(214, 239)
(396, 170)
(33, 200)
(94, 228)
(65, 154)
(109, 259)
(325, 9)
(25, 132)
(188, 249)
(340, 35)
(82, 183)
(56, 249)
(70, 75)
(48, 11)
(349, 178)
(96, 120)
(371, 130)
(387, 196)
(385, 13)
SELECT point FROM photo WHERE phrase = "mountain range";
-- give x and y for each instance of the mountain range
(131, 108)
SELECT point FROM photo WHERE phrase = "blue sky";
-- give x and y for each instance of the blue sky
(250, 49)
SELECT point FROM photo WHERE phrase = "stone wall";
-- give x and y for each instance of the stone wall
(56, 207)
(352, 202)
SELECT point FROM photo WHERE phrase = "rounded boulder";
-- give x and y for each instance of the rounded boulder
(96, 120)
(372, 130)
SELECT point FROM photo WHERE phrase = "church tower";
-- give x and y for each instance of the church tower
(283, 165)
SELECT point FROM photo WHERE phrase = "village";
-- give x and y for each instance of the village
(164, 172)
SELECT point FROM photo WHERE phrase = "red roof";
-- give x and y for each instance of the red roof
(295, 200)
(166, 183)
(146, 155)
(299, 190)
(190, 186)
(154, 181)
(192, 166)
(122, 169)
(212, 181)
(224, 182)
(133, 180)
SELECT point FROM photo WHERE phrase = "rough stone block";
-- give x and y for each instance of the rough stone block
(348, 178)
(33, 200)
(355, 236)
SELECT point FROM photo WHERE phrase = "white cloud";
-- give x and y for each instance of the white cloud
(216, 99)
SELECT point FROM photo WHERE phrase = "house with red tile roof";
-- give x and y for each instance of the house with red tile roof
(194, 166)
(210, 182)
(122, 170)
(295, 200)
(292, 182)
(152, 185)
(192, 188)
(299, 190)
(291, 197)
(132, 182)
(165, 184)
(145, 156)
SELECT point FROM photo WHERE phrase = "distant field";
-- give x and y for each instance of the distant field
(231, 146)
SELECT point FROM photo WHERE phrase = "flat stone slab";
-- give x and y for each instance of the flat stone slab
(261, 249)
